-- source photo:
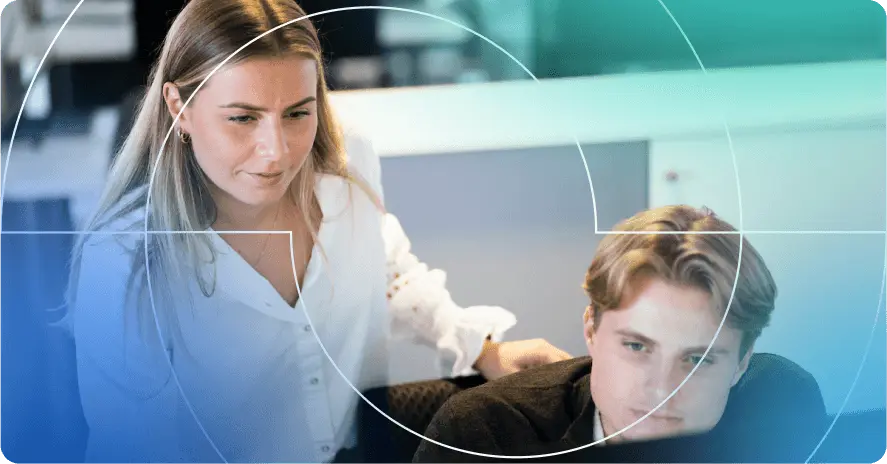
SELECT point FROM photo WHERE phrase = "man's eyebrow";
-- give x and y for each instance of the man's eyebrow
(249, 107)
(637, 335)
(715, 351)
(701, 349)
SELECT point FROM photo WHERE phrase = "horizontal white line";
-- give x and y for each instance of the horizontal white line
(745, 232)
(629, 232)
(142, 232)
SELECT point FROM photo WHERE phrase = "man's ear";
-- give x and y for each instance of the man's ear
(743, 366)
(174, 104)
(588, 326)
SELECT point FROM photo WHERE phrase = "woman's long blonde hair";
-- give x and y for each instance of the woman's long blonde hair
(203, 35)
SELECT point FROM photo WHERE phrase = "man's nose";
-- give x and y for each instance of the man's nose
(660, 382)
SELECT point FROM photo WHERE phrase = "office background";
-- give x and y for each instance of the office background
(481, 165)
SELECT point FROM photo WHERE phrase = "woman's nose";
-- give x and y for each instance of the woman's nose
(272, 142)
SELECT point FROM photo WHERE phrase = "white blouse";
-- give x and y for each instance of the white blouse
(254, 381)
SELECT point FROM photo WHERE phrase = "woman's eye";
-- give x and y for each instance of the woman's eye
(299, 114)
(240, 119)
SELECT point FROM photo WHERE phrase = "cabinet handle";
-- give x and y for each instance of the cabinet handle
(671, 176)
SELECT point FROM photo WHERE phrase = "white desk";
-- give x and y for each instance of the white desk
(452, 119)
(99, 30)
(72, 167)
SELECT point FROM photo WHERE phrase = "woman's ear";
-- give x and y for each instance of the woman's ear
(174, 104)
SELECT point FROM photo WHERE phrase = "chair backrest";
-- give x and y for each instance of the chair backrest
(857, 436)
(412, 405)
(43, 420)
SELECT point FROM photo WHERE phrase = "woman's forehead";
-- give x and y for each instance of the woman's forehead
(264, 79)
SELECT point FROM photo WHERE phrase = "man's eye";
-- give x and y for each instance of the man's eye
(634, 346)
(698, 359)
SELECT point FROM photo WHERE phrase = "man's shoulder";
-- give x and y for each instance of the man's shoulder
(777, 400)
(771, 377)
(552, 375)
(513, 409)
(526, 386)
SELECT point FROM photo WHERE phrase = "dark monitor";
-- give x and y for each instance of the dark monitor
(343, 34)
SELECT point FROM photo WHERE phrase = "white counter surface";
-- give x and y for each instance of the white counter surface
(452, 119)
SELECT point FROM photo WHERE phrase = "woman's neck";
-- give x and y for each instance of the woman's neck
(234, 215)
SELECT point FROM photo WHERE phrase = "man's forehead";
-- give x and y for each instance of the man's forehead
(671, 339)
(670, 316)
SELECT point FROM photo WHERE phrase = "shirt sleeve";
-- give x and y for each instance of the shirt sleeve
(126, 390)
(420, 305)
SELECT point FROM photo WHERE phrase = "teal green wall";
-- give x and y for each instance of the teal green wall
(586, 37)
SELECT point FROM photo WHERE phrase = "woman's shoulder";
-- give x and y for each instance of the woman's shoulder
(358, 145)
(361, 156)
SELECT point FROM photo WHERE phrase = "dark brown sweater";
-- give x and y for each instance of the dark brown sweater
(774, 414)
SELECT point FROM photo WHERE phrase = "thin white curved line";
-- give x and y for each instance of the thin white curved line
(739, 199)
(865, 355)
(157, 163)
(2, 190)
(739, 258)
(169, 132)
(146, 232)
(22, 108)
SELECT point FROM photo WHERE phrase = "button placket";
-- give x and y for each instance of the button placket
(326, 451)
(321, 424)
(311, 362)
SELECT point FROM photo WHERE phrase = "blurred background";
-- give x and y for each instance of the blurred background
(483, 167)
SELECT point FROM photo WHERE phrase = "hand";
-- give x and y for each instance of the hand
(500, 359)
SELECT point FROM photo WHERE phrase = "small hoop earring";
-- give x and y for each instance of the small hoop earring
(183, 136)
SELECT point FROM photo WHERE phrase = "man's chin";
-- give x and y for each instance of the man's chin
(640, 433)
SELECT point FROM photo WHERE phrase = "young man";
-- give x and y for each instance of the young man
(658, 294)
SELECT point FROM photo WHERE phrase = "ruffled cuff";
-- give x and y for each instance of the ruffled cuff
(463, 332)
(421, 308)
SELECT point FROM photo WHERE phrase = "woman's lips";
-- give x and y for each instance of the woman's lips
(266, 178)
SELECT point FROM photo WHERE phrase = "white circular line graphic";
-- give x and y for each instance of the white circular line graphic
(301, 300)
(21, 110)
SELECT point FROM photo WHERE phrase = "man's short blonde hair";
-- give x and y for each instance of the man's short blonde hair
(707, 261)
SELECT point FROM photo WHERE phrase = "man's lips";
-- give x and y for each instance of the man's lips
(657, 416)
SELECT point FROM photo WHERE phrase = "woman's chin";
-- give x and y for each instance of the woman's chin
(259, 197)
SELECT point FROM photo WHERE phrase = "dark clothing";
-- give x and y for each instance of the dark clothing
(775, 413)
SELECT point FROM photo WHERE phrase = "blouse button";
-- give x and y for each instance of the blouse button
(315, 381)
(307, 328)
(325, 448)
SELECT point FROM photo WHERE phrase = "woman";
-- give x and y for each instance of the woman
(255, 149)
